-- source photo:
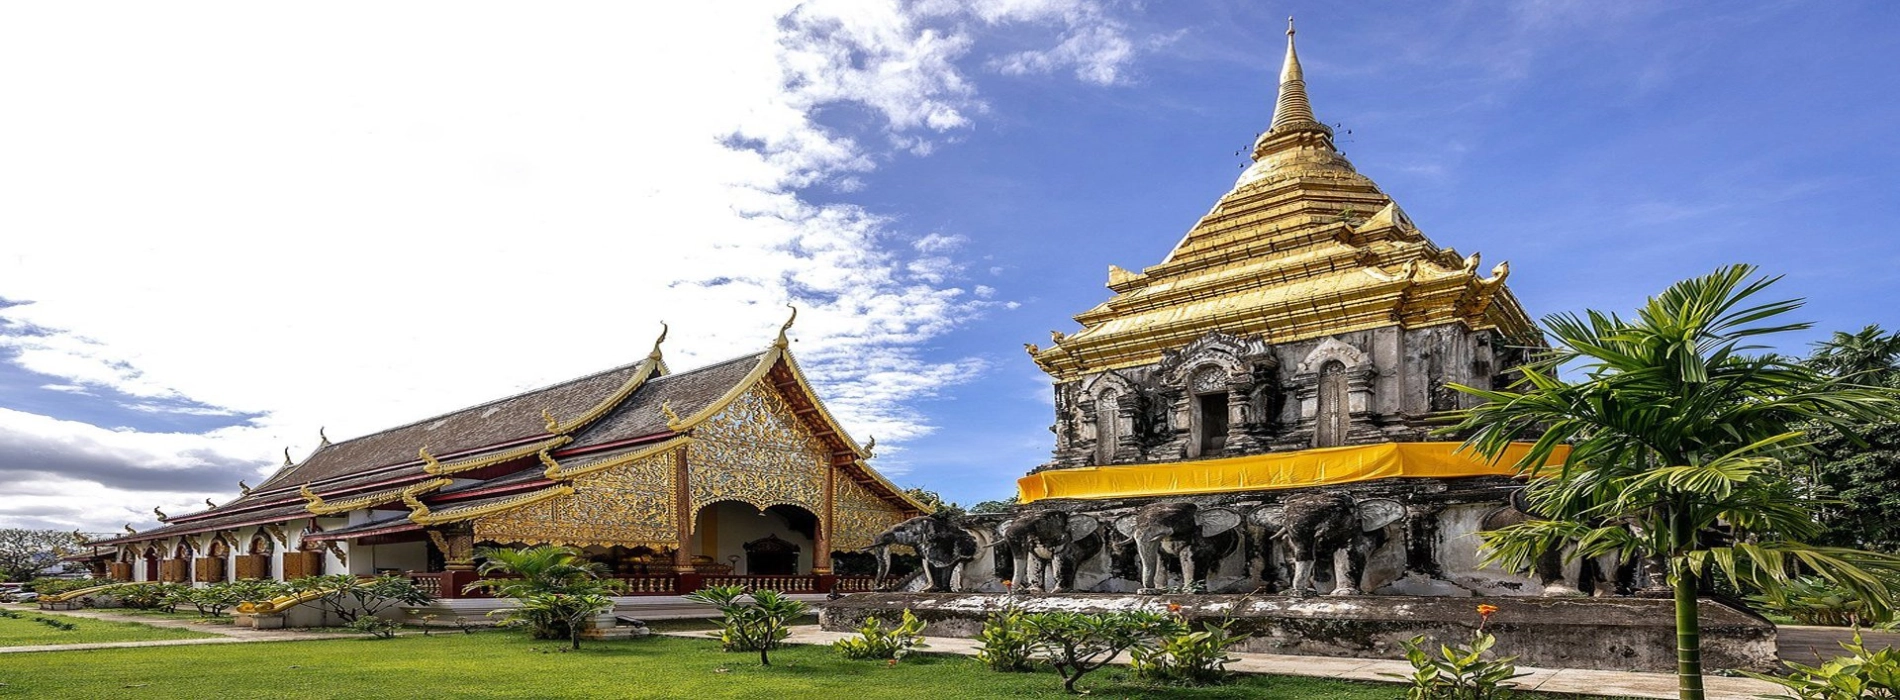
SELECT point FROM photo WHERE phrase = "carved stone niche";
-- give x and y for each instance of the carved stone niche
(1109, 410)
(1333, 385)
(1222, 389)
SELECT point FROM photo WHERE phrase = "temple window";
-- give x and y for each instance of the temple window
(1333, 415)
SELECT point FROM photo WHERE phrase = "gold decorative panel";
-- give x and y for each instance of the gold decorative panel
(629, 505)
(861, 516)
(757, 451)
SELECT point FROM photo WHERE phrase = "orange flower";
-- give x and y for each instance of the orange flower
(1486, 610)
(1007, 583)
(890, 662)
(1174, 607)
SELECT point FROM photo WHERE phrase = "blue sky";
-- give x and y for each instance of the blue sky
(356, 225)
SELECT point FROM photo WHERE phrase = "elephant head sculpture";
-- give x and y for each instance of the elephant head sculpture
(1333, 524)
(942, 544)
(1047, 546)
(1600, 572)
(1181, 530)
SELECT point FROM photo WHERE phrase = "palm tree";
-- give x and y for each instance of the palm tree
(1867, 356)
(1681, 444)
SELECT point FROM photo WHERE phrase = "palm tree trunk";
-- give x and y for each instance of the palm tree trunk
(1688, 617)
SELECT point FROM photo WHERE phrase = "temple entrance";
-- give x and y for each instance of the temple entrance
(151, 564)
(771, 556)
(734, 537)
(1213, 424)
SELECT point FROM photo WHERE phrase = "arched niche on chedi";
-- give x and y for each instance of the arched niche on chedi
(1222, 394)
(1333, 385)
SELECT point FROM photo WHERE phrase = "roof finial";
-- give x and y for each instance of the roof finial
(782, 341)
(656, 341)
(322, 437)
(161, 514)
(286, 456)
(1292, 107)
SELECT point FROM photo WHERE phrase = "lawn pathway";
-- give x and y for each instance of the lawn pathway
(1575, 681)
(227, 634)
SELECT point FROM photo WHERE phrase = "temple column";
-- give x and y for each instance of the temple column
(683, 539)
(821, 559)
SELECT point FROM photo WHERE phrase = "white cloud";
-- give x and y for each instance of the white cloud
(304, 214)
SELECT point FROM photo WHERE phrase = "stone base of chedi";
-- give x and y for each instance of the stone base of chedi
(1625, 634)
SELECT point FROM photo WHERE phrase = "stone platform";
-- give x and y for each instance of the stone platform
(1611, 634)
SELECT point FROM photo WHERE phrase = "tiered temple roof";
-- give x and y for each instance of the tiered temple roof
(521, 449)
(1303, 246)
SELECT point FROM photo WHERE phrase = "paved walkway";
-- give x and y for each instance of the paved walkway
(227, 634)
(1577, 681)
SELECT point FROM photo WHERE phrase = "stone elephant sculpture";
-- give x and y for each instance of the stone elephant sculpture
(943, 546)
(1182, 530)
(1600, 572)
(1047, 546)
(1329, 524)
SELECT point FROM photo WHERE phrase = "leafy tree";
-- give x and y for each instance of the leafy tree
(1077, 643)
(1853, 472)
(1681, 447)
(26, 554)
(997, 506)
(934, 501)
(531, 574)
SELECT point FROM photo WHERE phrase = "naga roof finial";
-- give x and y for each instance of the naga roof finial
(782, 342)
(322, 438)
(310, 497)
(162, 517)
(664, 329)
(552, 424)
(870, 446)
(672, 419)
(286, 456)
(429, 463)
(209, 504)
(244, 487)
(80, 537)
(129, 530)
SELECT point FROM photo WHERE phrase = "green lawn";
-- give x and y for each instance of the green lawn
(508, 665)
(24, 631)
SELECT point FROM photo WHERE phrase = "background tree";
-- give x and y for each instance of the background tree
(1854, 472)
(934, 501)
(1684, 447)
(996, 506)
(26, 554)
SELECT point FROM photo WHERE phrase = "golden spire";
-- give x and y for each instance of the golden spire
(1292, 108)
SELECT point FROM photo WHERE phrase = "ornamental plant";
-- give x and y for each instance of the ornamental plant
(148, 596)
(569, 610)
(1075, 644)
(1006, 643)
(1460, 672)
(1860, 674)
(1186, 656)
(874, 642)
(376, 627)
(537, 571)
(351, 598)
(759, 621)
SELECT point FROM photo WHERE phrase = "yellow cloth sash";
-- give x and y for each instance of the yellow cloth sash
(1280, 470)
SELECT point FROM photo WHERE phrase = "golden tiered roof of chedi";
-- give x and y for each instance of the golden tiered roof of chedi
(1302, 247)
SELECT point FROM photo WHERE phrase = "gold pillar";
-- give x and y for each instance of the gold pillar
(821, 559)
(457, 546)
(683, 508)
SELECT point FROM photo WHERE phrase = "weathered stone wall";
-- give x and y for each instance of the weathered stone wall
(1395, 381)
(1620, 635)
